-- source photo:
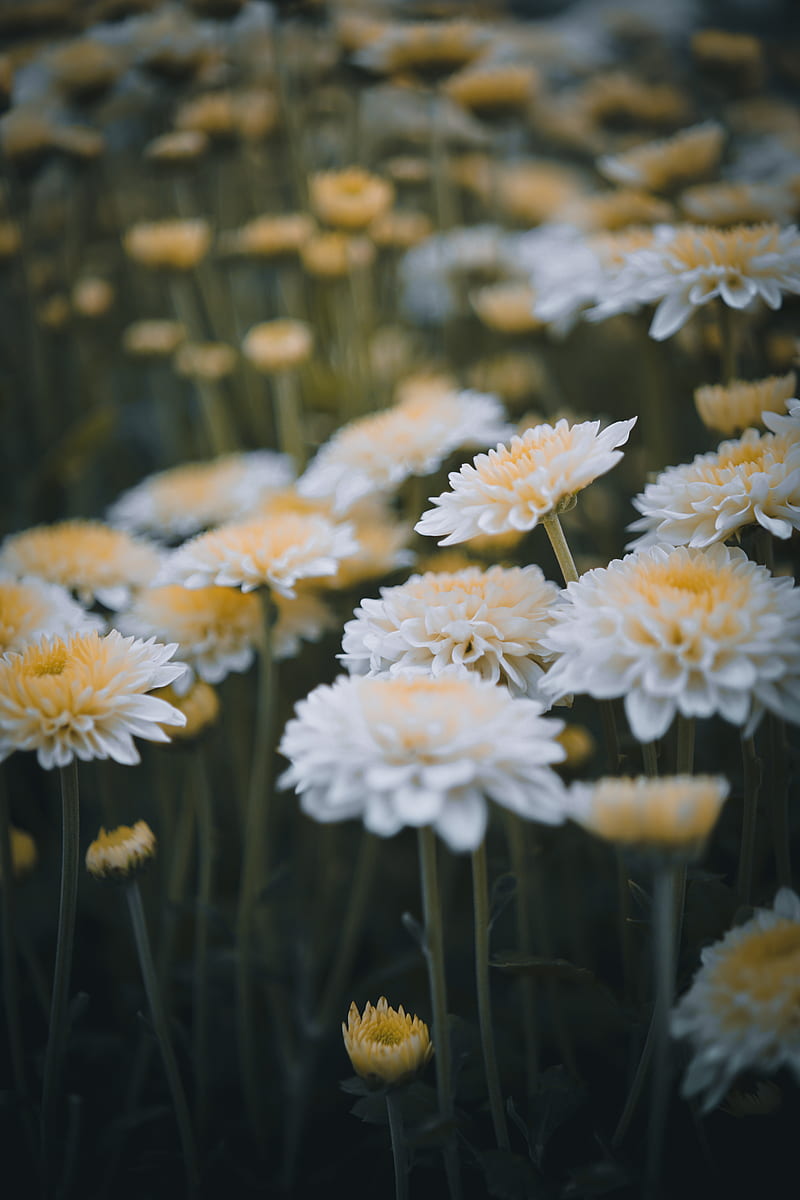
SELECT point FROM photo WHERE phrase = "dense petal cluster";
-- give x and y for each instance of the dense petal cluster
(515, 486)
(698, 264)
(417, 750)
(671, 815)
(32, 607)
(87, 557)
(413, 437)
(85, 697)
(386, 1045)
(121, 853)
(271, 552)
(740, 1013)
(752, 480)
(732, 408)
(675, 630)
(487, 622)
(184, 500)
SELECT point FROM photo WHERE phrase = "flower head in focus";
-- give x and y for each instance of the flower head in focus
(740, 1013)
(422, 751)
(183, 500)
(515, 486)
(668, 816)
(85, 697)
(386, 1046)
(272, 552)
(87, 557)
(675, 630)
(412, 437)
(122, 853)
(483, 622)
(31, 607)
(754, 479)
(731, 408)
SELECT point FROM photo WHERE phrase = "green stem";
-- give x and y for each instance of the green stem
(727, 348)
(517, 833)
(650, 759)
(10, 970)
(624, 926)
(65, 940)
(220, 437)
(399, 1153)
(778, 797)
(558, 541)
(480, 893)
(289, 416)
(360, 888)
(205, 870)
(684, 752)
(664, 905)
(253, 865)
(434, 955)
(752, 781)
(161, 1028)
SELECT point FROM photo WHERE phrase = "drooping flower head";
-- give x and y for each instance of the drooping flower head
(688, 155)
(515, 486)
(87, 557)
(386, 1045)
(685, 631)
(668, 816)
(740, 1013)
(85, 697)
(484, 622)
(413, 437)
(183, 500)
(752, 480)
(422, 751)
(272, 552)
(31, 607)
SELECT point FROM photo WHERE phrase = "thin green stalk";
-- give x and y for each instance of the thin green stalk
(624, 926)
(778, 797)
(205, 873)
(517, 834)
(664, 905)
(650, 759)
(480, 895)
(158, 1016)
(254, 859)
(554, 531)
(220, 437)
(684, 751)
(434, 955)
(752, 782)
(399, 1152)
(10, 970)
(65, 940)
(727, 340)
(289, 416)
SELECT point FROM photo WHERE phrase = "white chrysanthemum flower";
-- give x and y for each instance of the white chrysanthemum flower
(272, 551)
(413, 437)
(85, 697)
(87, 557)
(484, 622)
(669, 816)
(194, 496)
(740, 1013)
(408, 750)
(217, 629)
(685, 631)
(515, 486)
(697, 265)
(32, 607)
(754, 479)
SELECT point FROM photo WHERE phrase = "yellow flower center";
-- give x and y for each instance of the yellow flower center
(765, 967)
(51, 661)
(391, 1031)
(730, 248)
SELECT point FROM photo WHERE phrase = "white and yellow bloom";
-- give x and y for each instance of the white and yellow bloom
(484, 622)
(32, 607)
(740, 1013)
(386, 1045)
(515, 486)
(422, 751)
(676, 630)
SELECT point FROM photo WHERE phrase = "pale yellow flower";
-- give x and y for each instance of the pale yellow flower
(657, 166)
(386, 1045)
(176, 244)
(122, 853)
(731, 408)
(350, 198)
(279, 345)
